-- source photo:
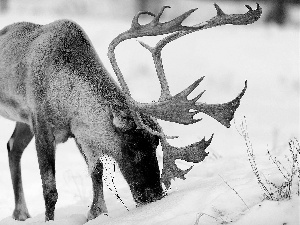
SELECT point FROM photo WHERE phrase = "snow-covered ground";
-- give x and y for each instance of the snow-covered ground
(266, 56)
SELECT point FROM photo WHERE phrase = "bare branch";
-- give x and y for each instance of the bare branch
(234, 191)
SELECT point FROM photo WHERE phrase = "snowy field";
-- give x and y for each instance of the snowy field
(265, 55)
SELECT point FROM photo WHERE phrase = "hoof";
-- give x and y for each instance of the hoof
(92, 215)
(20, 215)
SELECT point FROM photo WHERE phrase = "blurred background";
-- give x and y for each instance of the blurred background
(277, 11)
(265, 53)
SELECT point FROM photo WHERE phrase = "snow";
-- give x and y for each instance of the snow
(266, 56)
(272, 212)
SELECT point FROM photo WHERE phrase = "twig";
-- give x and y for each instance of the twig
(280, 167)
(199, 215)
(234, 191)
(295, 151)
(243, 131)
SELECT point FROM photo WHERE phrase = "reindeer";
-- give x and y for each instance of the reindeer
(55, 87)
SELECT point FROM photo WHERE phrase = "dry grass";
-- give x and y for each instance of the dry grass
(290, 173)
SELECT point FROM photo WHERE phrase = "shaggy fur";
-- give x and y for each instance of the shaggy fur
(54, 86)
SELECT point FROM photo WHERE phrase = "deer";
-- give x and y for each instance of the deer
(54, 85)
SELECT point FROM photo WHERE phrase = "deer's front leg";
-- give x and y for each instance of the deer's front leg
(45, 147)
(98, 206)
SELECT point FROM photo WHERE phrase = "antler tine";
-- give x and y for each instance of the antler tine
(157, 17)
(192, 153)
(223, 113)
(135, 21)
(153, 28)
(220, 19)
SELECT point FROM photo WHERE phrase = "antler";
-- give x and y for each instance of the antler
(178, 108)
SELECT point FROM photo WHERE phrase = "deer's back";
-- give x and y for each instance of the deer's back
(53, 65)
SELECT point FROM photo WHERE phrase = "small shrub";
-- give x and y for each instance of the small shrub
(291, 176)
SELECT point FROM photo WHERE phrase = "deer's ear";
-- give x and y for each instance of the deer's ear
(123, 121)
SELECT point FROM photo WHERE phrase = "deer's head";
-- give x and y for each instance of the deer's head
(138, 162)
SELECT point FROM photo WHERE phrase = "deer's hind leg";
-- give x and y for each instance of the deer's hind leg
(16, 145)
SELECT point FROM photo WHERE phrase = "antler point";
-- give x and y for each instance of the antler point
(249, 7)
(258, 6)
(198, 96)
(199, 80)
(145, 46)
(219, 10)
(193, 10)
